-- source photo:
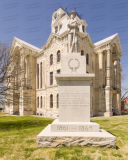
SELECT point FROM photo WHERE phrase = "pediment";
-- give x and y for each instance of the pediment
(112, 40)
(18, 43)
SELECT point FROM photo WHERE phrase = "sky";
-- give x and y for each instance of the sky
(30, 20)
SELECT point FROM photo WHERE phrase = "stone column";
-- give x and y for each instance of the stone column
(23, 94)
(115, 74)
(120, 80)
(118, 87)
(32, 84)
(21, 106)
(100, 81)
(11, 101)
(43, 74)
(118, 73)
(22, 63)
(109, 68)
(108, 102)
(108, 89)
(26, 71)
(119, 102)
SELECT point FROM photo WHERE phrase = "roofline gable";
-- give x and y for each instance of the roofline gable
(106, 40)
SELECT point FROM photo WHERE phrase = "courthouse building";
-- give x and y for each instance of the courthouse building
(34, 89)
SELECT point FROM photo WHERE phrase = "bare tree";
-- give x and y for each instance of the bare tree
(124, 90)
(4, 63)
(11, 79)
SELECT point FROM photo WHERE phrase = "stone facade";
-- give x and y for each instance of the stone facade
(37, 89)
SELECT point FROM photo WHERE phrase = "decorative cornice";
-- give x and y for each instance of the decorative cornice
(109, 44)
(106, 46)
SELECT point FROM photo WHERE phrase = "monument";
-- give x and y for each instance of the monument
(73, 128)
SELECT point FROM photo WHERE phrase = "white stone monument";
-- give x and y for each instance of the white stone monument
(73, 128)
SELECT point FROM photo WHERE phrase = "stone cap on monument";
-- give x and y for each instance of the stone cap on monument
(73, 63)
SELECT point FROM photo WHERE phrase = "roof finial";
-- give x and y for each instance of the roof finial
(75, 8)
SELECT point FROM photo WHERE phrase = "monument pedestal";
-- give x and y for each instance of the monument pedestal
(73, 128)
(47, 138)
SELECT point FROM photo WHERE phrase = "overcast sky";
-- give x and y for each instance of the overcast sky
(30, 20)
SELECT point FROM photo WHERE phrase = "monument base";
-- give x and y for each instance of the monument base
(59, 134)
(47, 138)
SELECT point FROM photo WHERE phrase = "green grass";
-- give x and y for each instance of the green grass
(18, 140)
(2, 113)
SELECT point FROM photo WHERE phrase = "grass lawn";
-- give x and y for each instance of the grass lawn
(18, 140)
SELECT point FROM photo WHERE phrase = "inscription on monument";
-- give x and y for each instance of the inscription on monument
(81, 128)
(73, 100)
(62, 128)
(85, 128)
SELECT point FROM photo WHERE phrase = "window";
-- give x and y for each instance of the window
(37, 76)
(56, 29)
(57, 101)
(55, 16)
(60, 27)
(87, 59)
(58, 71)
(83, 28)
(38, 102)
(41, 74)
(82, 53)
(58, 56)
(41, 102)
(51, 101)
(51, 59)
(51, 78)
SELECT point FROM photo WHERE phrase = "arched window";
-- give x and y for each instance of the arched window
(41, 75)
(58, 71)
(83, 28)
(51, 78)
(37, 76)
(51, 101)
(38, 102)
(56, 29)
(87, 59)
(41, 102)
(57, 101)
(58, 56)
(82, 53)
(51, 59)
